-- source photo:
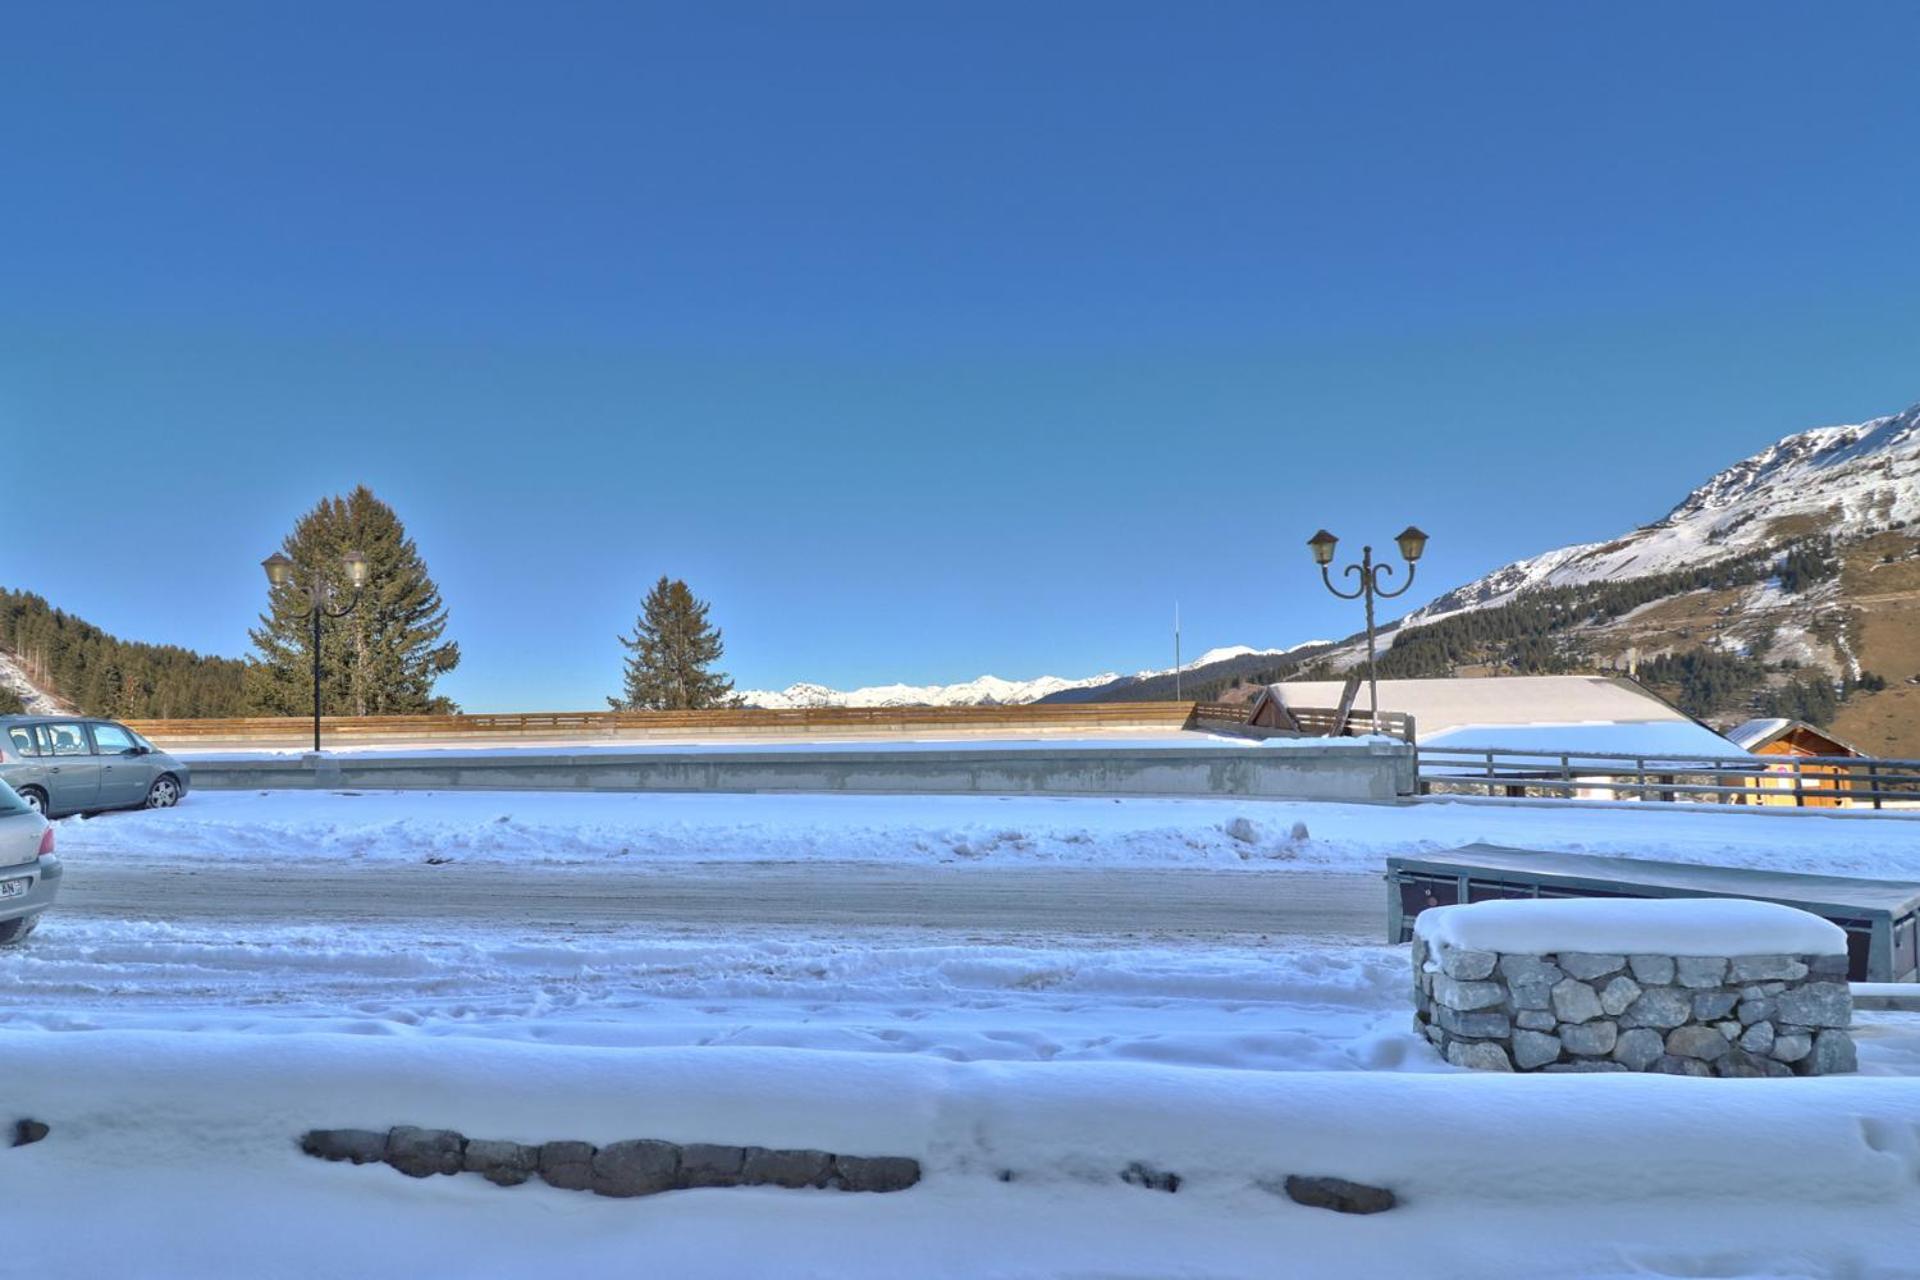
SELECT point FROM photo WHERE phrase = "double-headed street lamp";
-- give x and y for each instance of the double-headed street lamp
(319, 594)
(1412, 543)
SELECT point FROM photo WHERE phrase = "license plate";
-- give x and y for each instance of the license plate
(15, 888)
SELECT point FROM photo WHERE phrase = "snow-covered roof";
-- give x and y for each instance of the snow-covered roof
(1633, 926)
(1654, 739)
(1757, 733)
(1451, 705)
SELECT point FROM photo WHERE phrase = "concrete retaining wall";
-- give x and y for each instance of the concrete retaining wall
(1331, 770)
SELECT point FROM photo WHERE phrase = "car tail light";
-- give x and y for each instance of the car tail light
(46, 841)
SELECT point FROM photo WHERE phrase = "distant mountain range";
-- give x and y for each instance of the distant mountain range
(993, 691)
(1801, 562)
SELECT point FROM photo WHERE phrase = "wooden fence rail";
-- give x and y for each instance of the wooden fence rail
(563, 724)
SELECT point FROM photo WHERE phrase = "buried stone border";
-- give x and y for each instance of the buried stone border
(635, 1167)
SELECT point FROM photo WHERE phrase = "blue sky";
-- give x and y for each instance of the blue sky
(924, 340)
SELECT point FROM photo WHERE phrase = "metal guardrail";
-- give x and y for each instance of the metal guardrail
(1800, 781)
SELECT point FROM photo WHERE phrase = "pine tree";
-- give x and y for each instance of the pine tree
(670, 655)
(382, 658)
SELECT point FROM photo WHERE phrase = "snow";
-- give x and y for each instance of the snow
(626, 829)
(986, 690)
(1670, 926)
(177, 1149)
(1658, 738)
(13, 677)
(1861, 477)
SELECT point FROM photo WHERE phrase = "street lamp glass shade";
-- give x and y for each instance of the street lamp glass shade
(279, 569)
(356, 569)
(1323, 544)
(1412, 543)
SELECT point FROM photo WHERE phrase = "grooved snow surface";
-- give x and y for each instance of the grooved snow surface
(1673, 927)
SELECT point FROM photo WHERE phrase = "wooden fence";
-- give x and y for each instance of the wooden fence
(1798, 781)
(271, 730)
(1314, 722)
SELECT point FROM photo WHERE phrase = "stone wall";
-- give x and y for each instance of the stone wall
(1754, 1015)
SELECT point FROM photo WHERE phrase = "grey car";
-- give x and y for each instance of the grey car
(29, 873)
(74, 764)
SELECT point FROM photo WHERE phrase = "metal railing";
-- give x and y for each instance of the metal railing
(1799, 781)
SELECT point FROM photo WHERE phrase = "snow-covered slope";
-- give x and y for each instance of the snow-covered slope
(14, 678)
(1847, 481)
(985, 691)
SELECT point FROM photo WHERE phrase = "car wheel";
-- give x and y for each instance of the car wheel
(13, 931)
(164, 793)
(36, 799)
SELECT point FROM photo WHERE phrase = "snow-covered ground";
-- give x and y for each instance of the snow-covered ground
(177, 1059)
(588, 827)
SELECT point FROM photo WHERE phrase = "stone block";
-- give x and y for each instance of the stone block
(1463, 997)
(1639, 1049)
(1700, 971)
(703, 1164)
(1534, 1049)
(1652, 971)
(1730, 1029)
(362, 1146)
(1672, 1066)
(1587, 965)
(1465, 965)
(1711, 1005)
(567, 1165)
(1531, 994)
(1742, 969)
(505, 1164)
(1791, 1046)
(1696, 1041)
(1758, 1038)
(1660, 1007)
(421, 1153)
(1833, 1054)
(1831, 967)
(1536, 1019)
(875, 1173)
(1752, 1011)
(1339, 1195)
(635, 1167)
(1575, 1001)
(786, 1168)
(1740, 1064)
(1481, 1056)
(1586, 1065)
(1489, 1024)
(1532, 970)
(1618, 995)
(1152, 1178)
(1590, 1039)
(1817, 1004)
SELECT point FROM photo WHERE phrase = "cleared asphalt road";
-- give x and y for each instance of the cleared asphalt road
(1195, 903)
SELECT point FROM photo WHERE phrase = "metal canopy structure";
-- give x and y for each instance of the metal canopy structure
(1881, 917)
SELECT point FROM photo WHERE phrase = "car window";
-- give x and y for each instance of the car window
(68, 740)
(20, 740)
(111, 740)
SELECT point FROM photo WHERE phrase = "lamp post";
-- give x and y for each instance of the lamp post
(1412, 543)
(319, 592)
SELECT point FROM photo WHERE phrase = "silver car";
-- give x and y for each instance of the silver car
(29, 873)
(73, 764)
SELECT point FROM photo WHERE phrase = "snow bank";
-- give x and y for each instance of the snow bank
(571, 828)
(179, 1151)
(1612, 926)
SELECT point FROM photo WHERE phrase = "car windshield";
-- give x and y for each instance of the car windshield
(10, 801)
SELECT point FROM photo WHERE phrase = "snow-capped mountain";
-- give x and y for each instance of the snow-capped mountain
(1845, 481)
(985, 691)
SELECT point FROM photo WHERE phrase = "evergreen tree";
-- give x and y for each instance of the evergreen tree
(382, 658)
(102, 675)
(670, 655)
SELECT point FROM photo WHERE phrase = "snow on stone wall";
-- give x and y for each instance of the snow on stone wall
(1773, 1014)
